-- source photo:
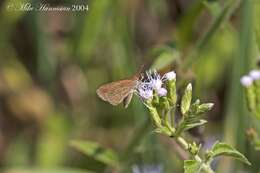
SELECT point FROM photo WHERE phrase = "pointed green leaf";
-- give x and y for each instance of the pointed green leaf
(195, 124)
(186, 99)
(92, 149)
(191, 166)
(223, 149)
(163, 130)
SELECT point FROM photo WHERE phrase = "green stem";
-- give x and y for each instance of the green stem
(185, 146)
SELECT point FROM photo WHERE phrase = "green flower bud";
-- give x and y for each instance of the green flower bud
(186, 99)
(195, 106)
(194, 148)
(250, 98)
(247, 83)
(205, 107)
(171, 94)
(154, 114)
(257, 94)
(155, 101)
(164, 103)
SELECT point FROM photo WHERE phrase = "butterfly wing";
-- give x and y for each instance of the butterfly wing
(115, 92)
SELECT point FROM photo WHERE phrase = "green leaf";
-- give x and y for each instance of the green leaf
(191, 166)
(188, 122)
(195, 124)
(223, 149)
(163, 130)
(92, 149)
(186, 99)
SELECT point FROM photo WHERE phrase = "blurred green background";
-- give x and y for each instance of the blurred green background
(52, 62)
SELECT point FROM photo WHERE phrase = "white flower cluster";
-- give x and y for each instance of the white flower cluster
(153, 82)
(248, 80)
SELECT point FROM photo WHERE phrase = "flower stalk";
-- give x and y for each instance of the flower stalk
(182, 142)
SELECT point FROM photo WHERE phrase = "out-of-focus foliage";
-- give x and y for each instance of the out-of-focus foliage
(92, 149)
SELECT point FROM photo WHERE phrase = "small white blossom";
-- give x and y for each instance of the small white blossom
(144, 90)
(170, 75)
(162, 92)
(155, 80)
(246, 81)
(255, 74)
(146, 94)
(157, 84)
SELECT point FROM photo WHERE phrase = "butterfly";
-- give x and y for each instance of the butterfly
(118, 91)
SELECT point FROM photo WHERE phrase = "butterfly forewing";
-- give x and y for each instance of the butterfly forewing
(116, 92)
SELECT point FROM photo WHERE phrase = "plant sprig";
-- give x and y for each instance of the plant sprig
(162, 107)
(251, 85)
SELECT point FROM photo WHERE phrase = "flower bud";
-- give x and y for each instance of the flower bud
(164, 103)
(194, 148)
(205, 107)
(250, 98)
(170, 76)
(171, 92)
(247, 82)
(155, 116)
(186, 99)
(162, 92)
(255, 75)
(257, 95)
(195, 106)
(155, 99)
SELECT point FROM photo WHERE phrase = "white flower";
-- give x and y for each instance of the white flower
(146, 94)
(170, 75)
(162, 92)
(145, 91)
(154, 79)
(157, 84)
(255, 74)
(246, 81)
